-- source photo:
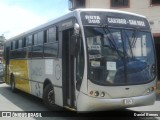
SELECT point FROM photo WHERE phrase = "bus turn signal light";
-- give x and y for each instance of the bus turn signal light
(91, 92)
(153, 88)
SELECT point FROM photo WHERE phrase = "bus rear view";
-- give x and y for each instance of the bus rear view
(120, 61)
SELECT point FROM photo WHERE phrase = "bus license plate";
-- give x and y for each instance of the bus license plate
(128, 101)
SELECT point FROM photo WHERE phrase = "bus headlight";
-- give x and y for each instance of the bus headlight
(148, 91)
(96, 93)
(102, 94)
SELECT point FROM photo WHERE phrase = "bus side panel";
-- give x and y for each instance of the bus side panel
(19, 68)
(58, 80)
(42, 69)
(36, 76)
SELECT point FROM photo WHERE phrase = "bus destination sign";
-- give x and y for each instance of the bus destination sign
(125, 21)
(93, 19)
(121, 20)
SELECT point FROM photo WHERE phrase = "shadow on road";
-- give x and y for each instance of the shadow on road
(19, 95)
(27, 103)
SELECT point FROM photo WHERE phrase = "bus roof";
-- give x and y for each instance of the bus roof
(71, 14)
(110, 10)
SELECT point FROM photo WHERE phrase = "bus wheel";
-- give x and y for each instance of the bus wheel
(12, 82)
(49, 96)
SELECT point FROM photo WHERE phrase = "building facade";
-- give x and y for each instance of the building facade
(148, 8)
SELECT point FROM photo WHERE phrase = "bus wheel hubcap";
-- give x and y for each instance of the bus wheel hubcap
(51, 97)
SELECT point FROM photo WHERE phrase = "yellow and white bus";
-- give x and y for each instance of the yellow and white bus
(87, 60)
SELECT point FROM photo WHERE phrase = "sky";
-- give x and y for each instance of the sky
(18, 16)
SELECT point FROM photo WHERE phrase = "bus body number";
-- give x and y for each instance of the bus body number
(128, 101)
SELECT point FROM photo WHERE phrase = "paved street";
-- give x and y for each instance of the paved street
(23, 102)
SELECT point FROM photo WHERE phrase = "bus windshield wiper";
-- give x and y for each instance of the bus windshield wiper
(111, 41)
(134, 37)
(129, 43)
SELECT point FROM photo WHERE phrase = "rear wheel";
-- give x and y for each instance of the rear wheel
(49, 97)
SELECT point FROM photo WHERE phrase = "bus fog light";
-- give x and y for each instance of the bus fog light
(102, 94)
(96, 93)
(148, 91)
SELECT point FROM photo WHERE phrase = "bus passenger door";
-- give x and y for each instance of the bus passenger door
(68, 70)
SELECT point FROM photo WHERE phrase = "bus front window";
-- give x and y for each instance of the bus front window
(119, 56)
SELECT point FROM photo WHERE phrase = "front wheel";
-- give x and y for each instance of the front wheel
(49, 96)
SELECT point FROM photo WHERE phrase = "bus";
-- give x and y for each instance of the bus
(86, 60)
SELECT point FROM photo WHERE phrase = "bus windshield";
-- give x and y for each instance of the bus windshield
(119, 56)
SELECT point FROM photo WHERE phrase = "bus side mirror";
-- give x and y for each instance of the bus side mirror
(76, 29)
(74, 43)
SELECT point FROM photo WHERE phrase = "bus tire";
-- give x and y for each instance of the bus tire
(49, 96)
(12, 82)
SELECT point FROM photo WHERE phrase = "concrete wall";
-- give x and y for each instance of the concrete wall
(97, 3)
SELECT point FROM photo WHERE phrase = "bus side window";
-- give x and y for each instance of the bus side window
(51, 42)
(52, 34)
(35, 40)
(24, 42)
(37, 51)
(29, 40)
(19, 43)
(37, 48)
(12, 45)
(51, 50)
(19, 51)
(16, 44)
(40, 37)
(45, 36)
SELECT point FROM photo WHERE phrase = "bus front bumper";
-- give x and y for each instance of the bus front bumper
(87, 103)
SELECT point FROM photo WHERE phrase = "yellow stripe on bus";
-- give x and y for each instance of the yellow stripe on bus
(19, 68)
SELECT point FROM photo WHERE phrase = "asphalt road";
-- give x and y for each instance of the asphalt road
(21, 101)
